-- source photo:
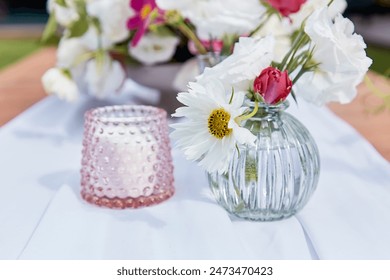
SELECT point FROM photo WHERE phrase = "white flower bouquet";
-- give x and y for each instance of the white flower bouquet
(98, 37)
(262, 163)
(325, 62)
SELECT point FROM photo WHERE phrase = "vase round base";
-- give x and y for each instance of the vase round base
(249, 209)
(262, 216)
(128, 202)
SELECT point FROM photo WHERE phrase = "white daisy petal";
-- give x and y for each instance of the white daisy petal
(244, 136)
(206, 135)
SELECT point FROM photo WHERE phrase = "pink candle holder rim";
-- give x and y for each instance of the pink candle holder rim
(98, 114)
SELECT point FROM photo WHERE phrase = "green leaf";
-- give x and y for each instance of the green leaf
(95, 22)
(50, 29)
(67, 73)
(61, 3)
(81, 8)
(160, 30)
(78, 28)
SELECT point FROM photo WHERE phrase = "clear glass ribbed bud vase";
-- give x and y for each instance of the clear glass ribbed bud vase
(275, 178)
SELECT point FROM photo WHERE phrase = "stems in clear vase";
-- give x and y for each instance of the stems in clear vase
(275, 178)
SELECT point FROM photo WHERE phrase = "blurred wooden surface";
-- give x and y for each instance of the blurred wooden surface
(20, 83)
(20, 87)
(375, 127)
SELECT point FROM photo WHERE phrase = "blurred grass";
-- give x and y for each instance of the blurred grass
(14, 50)
(381, 59)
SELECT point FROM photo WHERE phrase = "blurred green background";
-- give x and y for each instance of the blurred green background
(13, 50)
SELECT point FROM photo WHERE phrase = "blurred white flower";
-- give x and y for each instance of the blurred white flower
(153, 49)
(93, 40)
(104, 76)
(55, 81)
(323, 87)
(215, 18)
(113, 16)
(71, 52)
(341, 57)
(187, 73)
(250, 56)
(210, 133)
(281, 29)
(310, 6)
(64, 15)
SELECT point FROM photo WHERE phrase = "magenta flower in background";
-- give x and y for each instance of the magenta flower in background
(144, 10)
(210, 45)
(286, 7)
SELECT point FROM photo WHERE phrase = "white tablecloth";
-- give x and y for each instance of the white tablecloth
(43, 217)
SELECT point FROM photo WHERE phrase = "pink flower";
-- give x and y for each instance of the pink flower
(211, 45)
(274, 86)
(144, 16)
(286, 7)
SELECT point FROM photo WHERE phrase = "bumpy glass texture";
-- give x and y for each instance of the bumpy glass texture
(126, 158)
(275, 178)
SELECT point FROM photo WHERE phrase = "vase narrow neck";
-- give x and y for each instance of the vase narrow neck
(267, 111)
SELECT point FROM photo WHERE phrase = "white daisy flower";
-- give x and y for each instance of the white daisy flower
(210, 133)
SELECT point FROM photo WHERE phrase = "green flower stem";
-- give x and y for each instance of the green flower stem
(299, 41)
(289, 67)
(176, 20)
(300, 73)
(287, 56)
(262, 23)
(241, 118)
(183, 27)
(82, 58)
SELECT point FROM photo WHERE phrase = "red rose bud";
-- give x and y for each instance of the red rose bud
(286, 7)
(274, 86)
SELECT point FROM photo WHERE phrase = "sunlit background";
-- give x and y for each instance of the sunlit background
(22, 21)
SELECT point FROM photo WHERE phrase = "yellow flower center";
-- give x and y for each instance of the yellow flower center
(218, 123)
(145, 11)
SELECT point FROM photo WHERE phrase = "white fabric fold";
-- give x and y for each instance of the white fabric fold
(349, 214)
(188, 226)
(42, 215)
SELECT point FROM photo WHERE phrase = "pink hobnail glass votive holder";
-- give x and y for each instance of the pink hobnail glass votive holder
(126, 157)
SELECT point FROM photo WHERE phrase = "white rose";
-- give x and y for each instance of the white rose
(213, 19)
(113, 16)
(56, 82)
(341, 57)
(93, 41)
(250, 56)
(337, 47)
(153, 49)
(70, 52)
(323, 87)
(64, 15)
(104, 77)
